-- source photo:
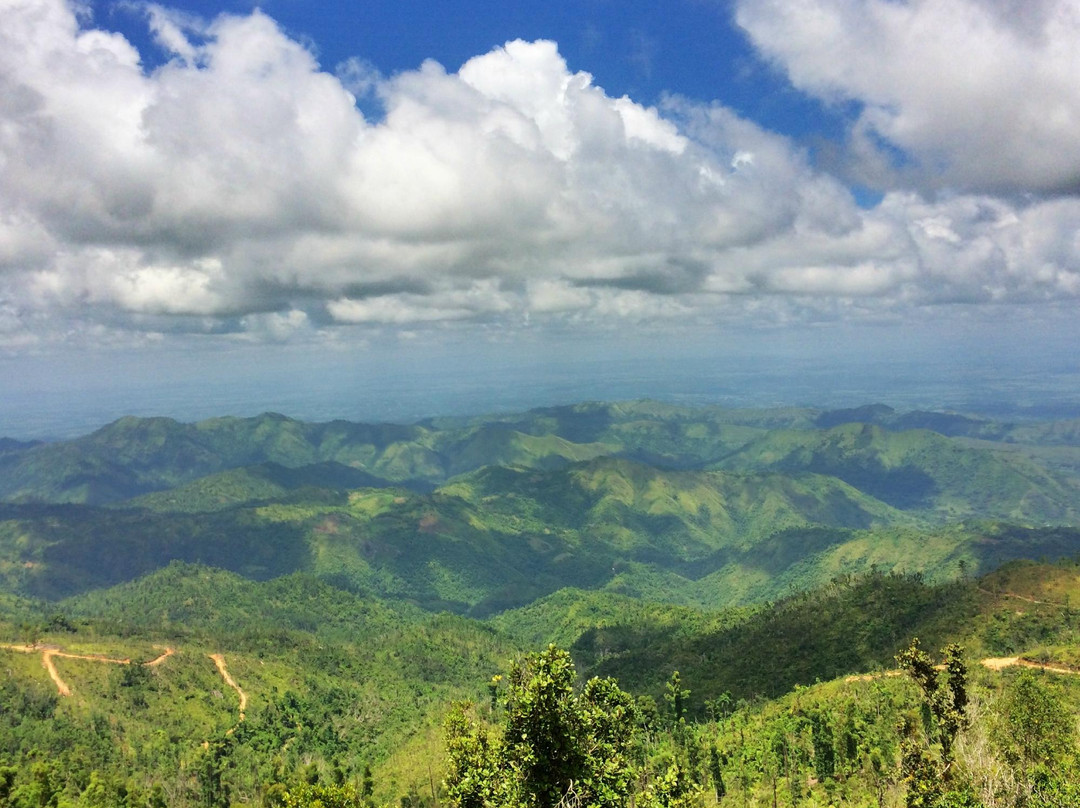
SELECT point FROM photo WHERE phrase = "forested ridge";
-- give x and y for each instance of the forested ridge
(605, 604)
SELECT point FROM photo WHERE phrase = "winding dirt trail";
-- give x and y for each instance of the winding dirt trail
(50, 666)
(153, 663)
(219, 660)
(22, 649)
(869, 677)
(50, 652)
(1000, 663)
(991, 663)
(47, 655)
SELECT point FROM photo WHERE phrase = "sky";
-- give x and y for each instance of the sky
(210, 207)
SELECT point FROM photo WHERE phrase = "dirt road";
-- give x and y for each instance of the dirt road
(219, 660)
(50, 652)
(1024, 598)
(153, 663)
(1000, 663)
(992, 663)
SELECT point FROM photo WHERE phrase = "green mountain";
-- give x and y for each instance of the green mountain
(134, 456)
(696, 538)
(354, 580)
(328, 680)
(325, 683)
(955, 425)
(918, 470)
(706, 510)
(495, 538)
(500, 445)
(264, 482)
(881, 454)
(52, 551)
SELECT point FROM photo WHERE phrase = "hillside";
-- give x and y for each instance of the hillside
(264, 482)
(53, 551)
(918, 470)
(135, 456)
(501, 537)
(718, 508)
(564, 616)
(233, 611)
(325, 676)
(850, 626)
(332, 683)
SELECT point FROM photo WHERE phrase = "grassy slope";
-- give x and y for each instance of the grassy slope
(342, 680)
(854, 624)
(263, 482)
(919, 470)
(500, 538)
(717, 509)
(565, 615)
(328, 676)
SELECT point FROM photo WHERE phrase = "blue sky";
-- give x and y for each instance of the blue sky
(646, 50)
(643, 49)
(195, 196)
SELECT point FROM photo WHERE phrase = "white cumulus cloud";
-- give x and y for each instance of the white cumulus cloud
(979, 94)
(238, 187)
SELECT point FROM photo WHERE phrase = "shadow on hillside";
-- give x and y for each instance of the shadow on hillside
(85, 548)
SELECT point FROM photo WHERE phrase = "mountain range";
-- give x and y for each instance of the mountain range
(358, 578)
(706, 506)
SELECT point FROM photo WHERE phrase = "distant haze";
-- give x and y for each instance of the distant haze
(392, 384)
(428, 207)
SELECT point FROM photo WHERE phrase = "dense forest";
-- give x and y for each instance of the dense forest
(596, 605)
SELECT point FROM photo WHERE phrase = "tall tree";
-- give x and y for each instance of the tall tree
(927, 766)
(555, 747)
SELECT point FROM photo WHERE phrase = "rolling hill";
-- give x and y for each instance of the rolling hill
(501, 537)
(264, 482)
(356, 579)
(332, 682)
(945, 472)
(918, 470)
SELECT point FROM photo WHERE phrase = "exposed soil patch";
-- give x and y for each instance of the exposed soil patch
(49, 652)
(219, 660)
(1000, 663)
(153, 663)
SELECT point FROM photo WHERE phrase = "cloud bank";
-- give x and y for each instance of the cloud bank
(978, 95)
(239, 189)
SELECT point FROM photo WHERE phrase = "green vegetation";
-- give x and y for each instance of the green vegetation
(897, 457)
(501, 538)
(554, 741)
(336, 684)
(262, 483)
(264, 612)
